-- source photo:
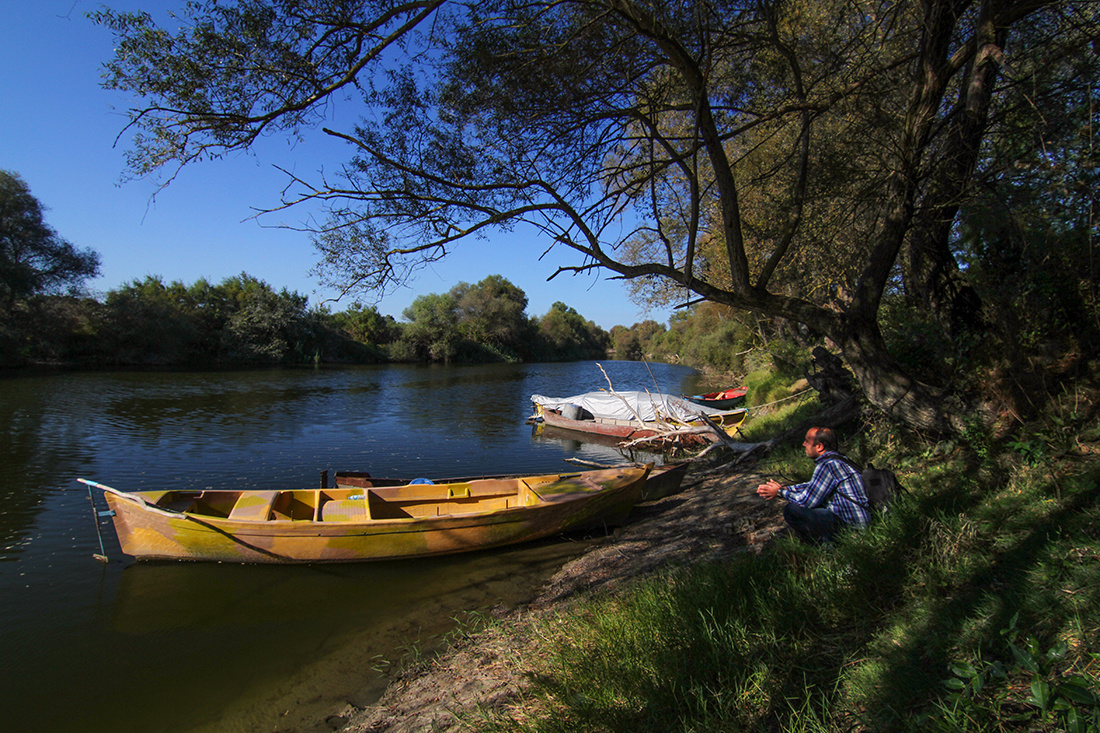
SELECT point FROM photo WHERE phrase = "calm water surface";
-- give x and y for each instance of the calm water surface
(189, 647)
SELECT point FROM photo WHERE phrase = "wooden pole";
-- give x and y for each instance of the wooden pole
(102, 556)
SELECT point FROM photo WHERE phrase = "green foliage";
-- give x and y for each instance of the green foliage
(1031, 688)
(433, 329)
(565, 335)
(34, 259)
(636, 342)
(243, 320)
(265, 327)
(976, 436)
(1031, 451)
(150, 323)
(492, 313)
(857, 636)
(486, 322)
(706, 336)
(401, 351)
(366, 325)
(918, 342)
(55, 329)
(721, 348)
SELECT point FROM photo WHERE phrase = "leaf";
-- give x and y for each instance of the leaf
(1024, 658)
(963, 669)
(977, 683)
(1077, 689)
(1057, 652)
(1040, 694)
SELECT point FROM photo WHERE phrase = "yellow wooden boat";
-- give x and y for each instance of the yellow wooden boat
(357, 524)
(662, 480)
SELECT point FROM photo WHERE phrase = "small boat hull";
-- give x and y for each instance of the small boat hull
(352, 525)
(725, 400)
(598, 426)
(664, 481)
(627, 430)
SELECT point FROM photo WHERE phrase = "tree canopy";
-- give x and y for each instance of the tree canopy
(33, 257)
(798, 160)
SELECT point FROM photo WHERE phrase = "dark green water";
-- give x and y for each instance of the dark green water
(139, 647)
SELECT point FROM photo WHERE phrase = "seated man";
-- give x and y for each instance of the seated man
(834, 497)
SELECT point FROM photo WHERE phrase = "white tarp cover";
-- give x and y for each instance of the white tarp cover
(645, 404)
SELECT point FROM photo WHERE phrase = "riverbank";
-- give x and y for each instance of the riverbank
(716, 515)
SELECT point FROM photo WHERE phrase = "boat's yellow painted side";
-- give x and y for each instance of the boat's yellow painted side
(345, 525)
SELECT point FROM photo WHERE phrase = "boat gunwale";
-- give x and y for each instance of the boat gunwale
(310, 527)
(292, 528)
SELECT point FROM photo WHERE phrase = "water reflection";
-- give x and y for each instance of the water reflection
(592, 446)
(334, 629)
(177, 647)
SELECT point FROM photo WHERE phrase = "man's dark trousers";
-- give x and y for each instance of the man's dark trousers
(816, 525)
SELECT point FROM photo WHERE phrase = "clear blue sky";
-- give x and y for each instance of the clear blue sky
(58, 130)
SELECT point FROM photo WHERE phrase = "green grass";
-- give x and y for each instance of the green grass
(973, 605)
(764, 422)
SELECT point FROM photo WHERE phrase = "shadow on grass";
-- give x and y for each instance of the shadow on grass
(855, 637)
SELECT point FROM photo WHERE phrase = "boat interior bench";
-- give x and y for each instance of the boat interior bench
(389, 502)
(253, 506)
(431, 500)
(204, 503)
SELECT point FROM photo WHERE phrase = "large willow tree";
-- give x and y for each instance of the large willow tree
(794, 159)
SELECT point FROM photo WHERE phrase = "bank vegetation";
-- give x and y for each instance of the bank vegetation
(969, 606)
(245, 322)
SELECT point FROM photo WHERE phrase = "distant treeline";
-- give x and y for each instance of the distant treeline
(706, 336)
(244, 321)
(738, 347)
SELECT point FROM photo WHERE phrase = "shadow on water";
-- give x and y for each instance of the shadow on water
(199, 648)
(216, 648)
(286, 663)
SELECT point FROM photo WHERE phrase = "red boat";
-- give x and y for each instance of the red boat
(724, 400)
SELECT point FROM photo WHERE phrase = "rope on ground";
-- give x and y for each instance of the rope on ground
(796, 394)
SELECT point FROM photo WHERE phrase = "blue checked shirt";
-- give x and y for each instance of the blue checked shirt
(835, 485)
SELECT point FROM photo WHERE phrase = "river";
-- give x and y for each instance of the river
(133, 647)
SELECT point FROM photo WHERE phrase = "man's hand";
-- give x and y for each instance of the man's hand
(769, 489)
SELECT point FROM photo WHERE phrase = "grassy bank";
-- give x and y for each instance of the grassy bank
(971, 606)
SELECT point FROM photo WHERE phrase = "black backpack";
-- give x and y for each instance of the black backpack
(880, 484)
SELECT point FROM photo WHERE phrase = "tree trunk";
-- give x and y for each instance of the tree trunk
(882, 380)
(932, 276)
(890, 389)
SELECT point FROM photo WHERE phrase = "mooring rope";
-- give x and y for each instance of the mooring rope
(769, 404)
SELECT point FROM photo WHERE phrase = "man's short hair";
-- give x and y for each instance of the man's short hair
(826, 437)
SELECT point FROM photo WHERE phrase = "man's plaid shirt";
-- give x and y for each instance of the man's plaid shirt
(836, 485)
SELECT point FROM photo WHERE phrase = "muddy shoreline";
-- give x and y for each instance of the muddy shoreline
(716, 515)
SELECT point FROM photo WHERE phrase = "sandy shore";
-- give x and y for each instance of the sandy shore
(716, 515)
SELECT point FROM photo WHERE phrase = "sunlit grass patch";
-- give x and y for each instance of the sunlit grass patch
(985, 557)
(775, 408)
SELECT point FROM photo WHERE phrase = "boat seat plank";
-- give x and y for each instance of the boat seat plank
(493, 487)
(345, 510)
(253, 506)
